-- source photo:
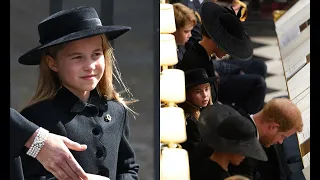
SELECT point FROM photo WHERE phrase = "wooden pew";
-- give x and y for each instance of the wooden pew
(293, 34)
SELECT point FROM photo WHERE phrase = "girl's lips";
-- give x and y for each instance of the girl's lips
(88, 77)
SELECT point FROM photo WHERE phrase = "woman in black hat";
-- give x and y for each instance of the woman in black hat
(232, 137)
(223, 33)
(75, 96)
(199, 89)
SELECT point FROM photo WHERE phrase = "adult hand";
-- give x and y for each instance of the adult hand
(57, 159)
(96, 177)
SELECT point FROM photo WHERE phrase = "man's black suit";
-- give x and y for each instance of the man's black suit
(20, 131)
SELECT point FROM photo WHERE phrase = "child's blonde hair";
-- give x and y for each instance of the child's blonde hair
(237, 177)
(183, 15)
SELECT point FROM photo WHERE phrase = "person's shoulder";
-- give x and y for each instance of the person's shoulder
(37, 112)
(189, 57)
(191, 50)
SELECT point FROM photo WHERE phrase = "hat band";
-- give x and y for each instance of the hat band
(69, 28)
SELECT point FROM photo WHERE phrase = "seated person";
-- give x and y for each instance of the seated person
(232, 137)
(198, 95)
(279, 119)
(223, 33)
(185, 20)
(195, 5)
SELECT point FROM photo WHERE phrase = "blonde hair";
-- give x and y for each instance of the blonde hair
(283, 112)
(237, 177)
(49, 82)
(183, 15)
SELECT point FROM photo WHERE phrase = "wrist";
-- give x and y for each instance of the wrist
(31, 139)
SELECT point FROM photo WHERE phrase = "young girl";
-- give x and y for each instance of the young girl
(198, 96)
(75, 96)
(231, 136)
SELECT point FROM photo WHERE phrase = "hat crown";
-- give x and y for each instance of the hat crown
(236, 127)
(194, 75)
(66, 22)
(232, 24)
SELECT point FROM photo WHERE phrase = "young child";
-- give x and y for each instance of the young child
(75, 96)
(198, 96)
(231, 136)
(185, 19)
(223, 33)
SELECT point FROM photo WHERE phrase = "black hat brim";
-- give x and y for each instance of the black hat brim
(208, 131)
(210, 15)
(251, 148)
(33, 56)
(200, 81)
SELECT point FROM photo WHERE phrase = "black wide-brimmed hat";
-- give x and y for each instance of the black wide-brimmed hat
(197, 76)
(224, 130)
(226, 30)
(69, 25)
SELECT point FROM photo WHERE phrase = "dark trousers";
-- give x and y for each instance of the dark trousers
(252, 66)
(246, 91)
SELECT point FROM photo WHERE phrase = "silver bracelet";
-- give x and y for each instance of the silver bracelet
(38, 142)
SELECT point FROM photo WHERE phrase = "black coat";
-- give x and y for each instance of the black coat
(276, 168)
(108, 150)
(197, 57)
(197, 150)
(20, 131)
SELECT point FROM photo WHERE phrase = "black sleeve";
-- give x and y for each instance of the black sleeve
(224, 68)
(127, 168)
(21, 130)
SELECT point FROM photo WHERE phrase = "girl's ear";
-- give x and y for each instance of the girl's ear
(52, 63)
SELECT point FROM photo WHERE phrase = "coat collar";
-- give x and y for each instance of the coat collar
(69, 102)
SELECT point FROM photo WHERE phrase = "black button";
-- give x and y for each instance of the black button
(99, 153)
(96, 131)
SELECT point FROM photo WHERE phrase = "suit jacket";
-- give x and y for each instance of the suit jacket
(20, 131)
(100, 124)
(276, 168)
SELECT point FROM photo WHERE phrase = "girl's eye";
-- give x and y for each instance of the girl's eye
(97, 54)
(77, 57)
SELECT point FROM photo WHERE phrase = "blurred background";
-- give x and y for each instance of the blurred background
(134, 52)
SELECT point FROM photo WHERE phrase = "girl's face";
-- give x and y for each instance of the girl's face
(183, 34)
(199, 95)
(80, 64)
